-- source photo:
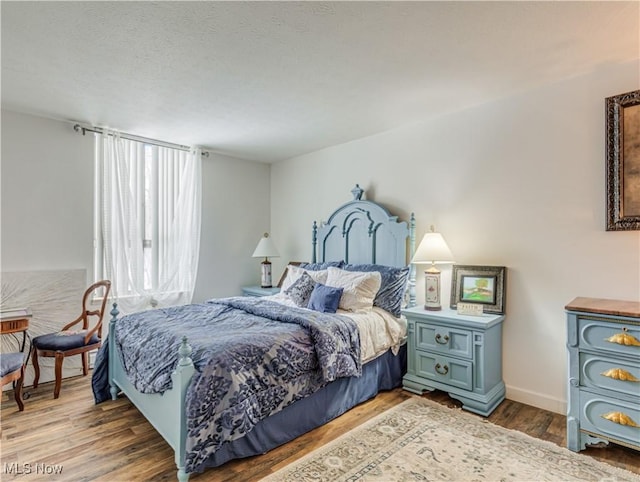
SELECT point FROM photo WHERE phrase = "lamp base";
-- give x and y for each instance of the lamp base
(432, 289)
(265, 274)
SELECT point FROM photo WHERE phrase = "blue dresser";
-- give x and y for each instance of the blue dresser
(459, 354)
(603, 341)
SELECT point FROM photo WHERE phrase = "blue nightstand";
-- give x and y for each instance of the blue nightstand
(458, 354)
(258, 291)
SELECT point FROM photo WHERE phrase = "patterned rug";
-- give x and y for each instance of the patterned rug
(420, 440)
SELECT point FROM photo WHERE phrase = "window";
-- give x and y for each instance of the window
(147, 220)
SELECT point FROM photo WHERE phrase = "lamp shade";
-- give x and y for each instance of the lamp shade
(432, 249)
(266, 248)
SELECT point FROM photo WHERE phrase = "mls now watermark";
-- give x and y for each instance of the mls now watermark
(27, 468)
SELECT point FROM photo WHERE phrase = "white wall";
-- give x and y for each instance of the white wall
(519, 182)
(47, 206)
(47, 195)
(235, 214)
(47, 223)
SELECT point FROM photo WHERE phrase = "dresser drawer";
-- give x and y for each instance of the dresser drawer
(611, 337)
(594, 408)
(610, 374)
(454, 372)
(444, 340)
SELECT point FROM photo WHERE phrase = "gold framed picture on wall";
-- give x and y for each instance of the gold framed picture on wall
(623, 161)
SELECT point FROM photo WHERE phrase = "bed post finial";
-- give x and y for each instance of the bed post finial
(185, 352)
(357, 192)
(113, 388)
(412, 269)
(181, 377)
(114, 312)
(314, 242)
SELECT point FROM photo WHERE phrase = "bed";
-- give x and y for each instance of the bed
(319, 364)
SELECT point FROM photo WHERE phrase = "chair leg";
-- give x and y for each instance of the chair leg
(17, 391)
(85, 363)
(58, 370)
(36, 367)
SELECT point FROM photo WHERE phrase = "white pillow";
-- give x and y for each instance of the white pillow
(360, 288)
(294, 272)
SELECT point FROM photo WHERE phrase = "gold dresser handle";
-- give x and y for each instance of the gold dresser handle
(620, 418)
(620, 374)
(623, 338)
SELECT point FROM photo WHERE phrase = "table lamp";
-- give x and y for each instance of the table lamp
(432, 249)
(265, 249)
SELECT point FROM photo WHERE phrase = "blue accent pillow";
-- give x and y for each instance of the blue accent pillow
(325, 299)
(321, 266)
(392, 287)
(301, 289)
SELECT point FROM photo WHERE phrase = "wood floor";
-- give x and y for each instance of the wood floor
(113, 442)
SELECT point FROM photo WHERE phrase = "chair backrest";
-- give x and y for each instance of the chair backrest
(99, 313)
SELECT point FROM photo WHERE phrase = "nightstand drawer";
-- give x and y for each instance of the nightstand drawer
(610, 374)
(445, 340)
(620, 418)
(458, 373)
(603, 335)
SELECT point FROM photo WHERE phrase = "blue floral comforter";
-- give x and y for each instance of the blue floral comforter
(253, 357)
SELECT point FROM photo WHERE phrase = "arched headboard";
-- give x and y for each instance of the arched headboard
(364, 232)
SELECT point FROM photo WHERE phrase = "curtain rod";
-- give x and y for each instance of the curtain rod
(131, 137)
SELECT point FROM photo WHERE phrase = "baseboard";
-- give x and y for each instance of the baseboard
(537, 400)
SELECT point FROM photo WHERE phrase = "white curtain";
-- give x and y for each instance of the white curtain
(150, 221)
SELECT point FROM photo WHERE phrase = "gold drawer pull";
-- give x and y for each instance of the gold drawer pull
(623, 338)
(439, 339)
(620, 374)
(620, 418)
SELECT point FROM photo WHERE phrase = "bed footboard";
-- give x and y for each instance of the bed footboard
(166, 412)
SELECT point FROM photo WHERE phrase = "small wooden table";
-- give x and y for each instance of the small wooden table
(16, 321)
(13, 322)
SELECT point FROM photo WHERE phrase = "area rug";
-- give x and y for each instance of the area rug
(420, 440)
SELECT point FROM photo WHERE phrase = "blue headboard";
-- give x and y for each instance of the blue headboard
(363, 231)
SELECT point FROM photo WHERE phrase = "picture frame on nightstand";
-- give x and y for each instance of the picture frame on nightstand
(483, 285)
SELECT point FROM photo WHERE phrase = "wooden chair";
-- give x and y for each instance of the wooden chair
(12, 370)
(68, 342)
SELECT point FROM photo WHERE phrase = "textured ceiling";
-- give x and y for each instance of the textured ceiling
(271, 80)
